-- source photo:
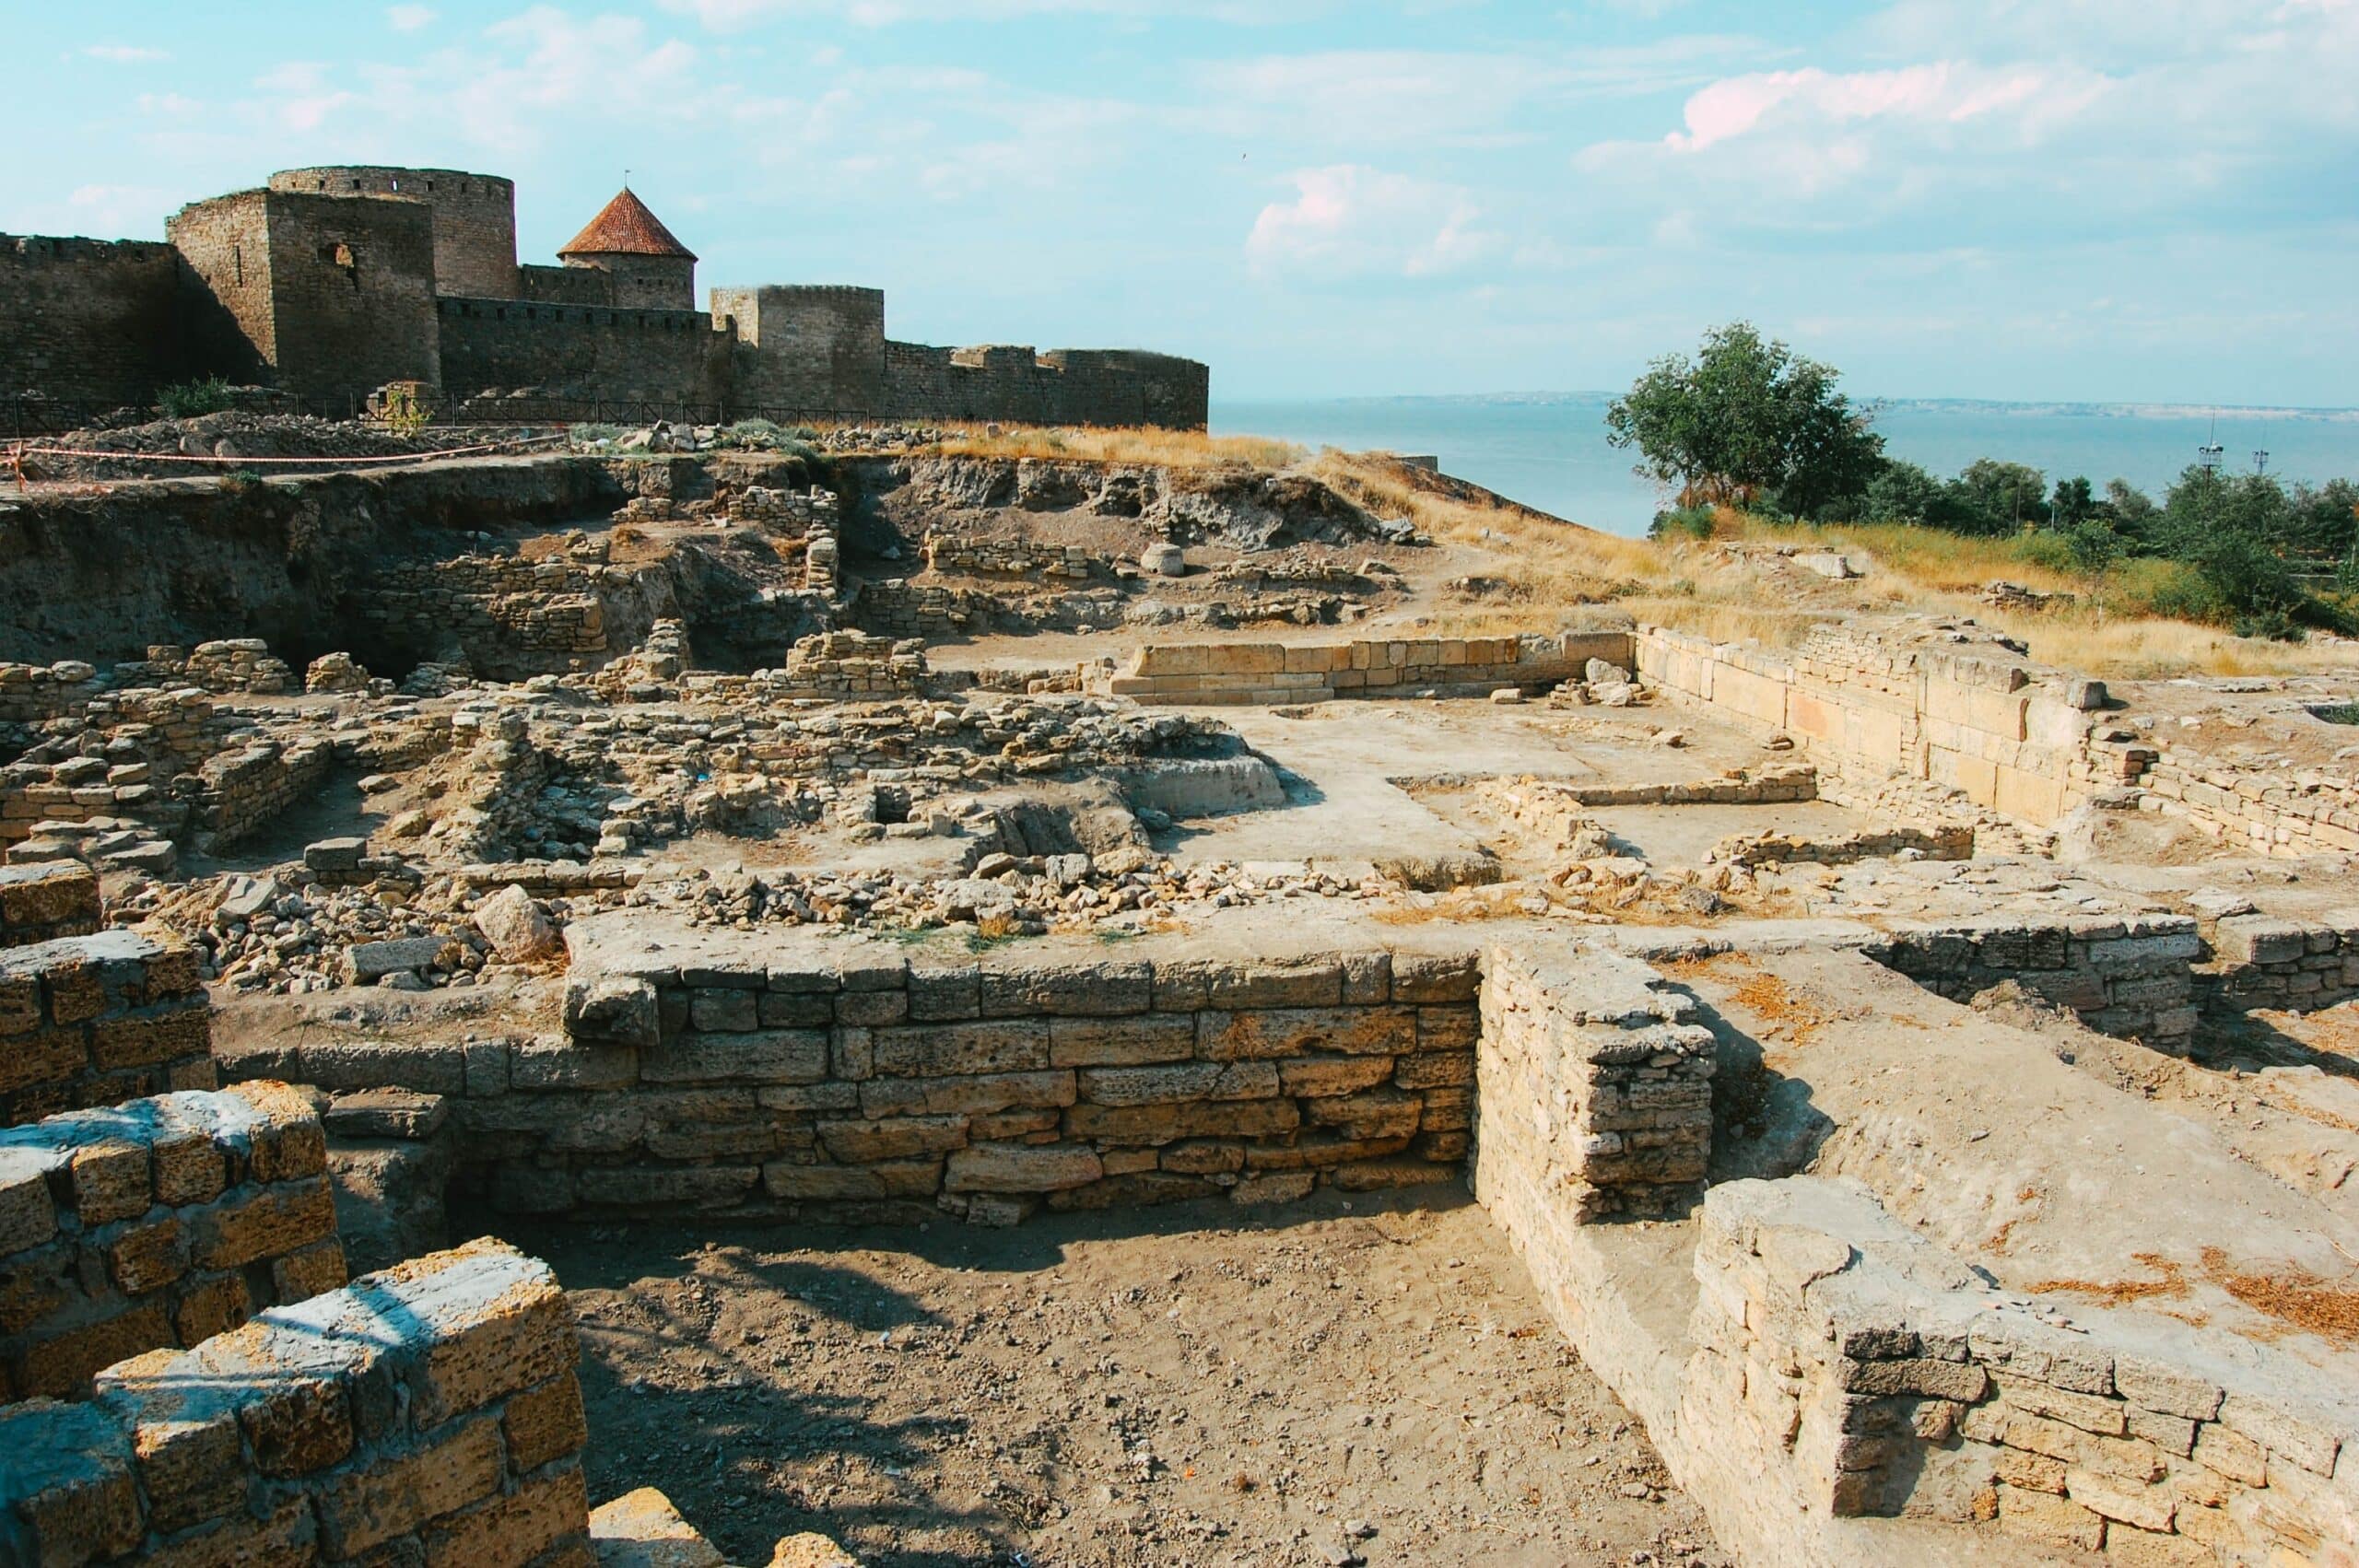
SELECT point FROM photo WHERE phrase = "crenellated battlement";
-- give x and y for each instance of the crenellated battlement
(329, 281)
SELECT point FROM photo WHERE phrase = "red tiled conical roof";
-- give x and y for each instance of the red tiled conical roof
(625, 227)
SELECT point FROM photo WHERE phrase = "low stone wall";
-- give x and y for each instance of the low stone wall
(166, 731)
(2130, 976)
(1778, 782)
(1595, 1084)
(2306, 812)
(160, 1222)
(242, 791)
(513, 617)
(1058, 565)
(1834, 1342)
(96, 1019)
(2298, 966)
(831, 666)
(2009, 736)
(228, 665)
(1242, 673)
(1751, 849)
(41, 903)
(31, 693)
(426, 1414)
(895, 607)
(985, 1089)
(864, 1087)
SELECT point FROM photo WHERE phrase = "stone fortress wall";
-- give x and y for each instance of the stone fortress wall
(91, 318)
(475, 217)
(331, 282)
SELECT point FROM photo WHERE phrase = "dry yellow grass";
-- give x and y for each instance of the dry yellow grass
(1549, 574)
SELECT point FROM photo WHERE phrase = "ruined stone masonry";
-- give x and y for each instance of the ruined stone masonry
(427, 1413)
(331, 283)
(160, 1222)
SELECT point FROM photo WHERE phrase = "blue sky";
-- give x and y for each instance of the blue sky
(2141, 200)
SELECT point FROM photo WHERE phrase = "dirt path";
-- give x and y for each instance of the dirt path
(1342, 1380)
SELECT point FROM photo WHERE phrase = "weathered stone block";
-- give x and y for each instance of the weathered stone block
(1121, 1042)
(1091, 991)
(969, 1095)
(1017, 1167)
(1178, 1082)
(1272, 1033)
(940, 1051)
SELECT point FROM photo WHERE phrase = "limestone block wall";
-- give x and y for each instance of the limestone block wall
(867, 1087)
(1595, 1086)
(1238, 673)
(616, 352)
(425, 1414)
(2274, 813)
(41, 903)
(2130, 976)
(229, 664)
(160, 1222)
(31, 693)
(239, 791)
(984, 1089)
(1056, 565)
(1779, 781)
(2010, 737)
(170, 730)
(894, 607)
(2299, 965)
(91, 321)
(1836, 1345)
(1835, 849)
(96, 1019)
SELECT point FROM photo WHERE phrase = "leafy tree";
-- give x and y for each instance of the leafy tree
(1901, 492)
(2325, 519)
(2000, 497)
(1745, 420)
(2075, 501)
(2234, 531)
(2131, 512)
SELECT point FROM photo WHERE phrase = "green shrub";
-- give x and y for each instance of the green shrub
(1682, 523)
(191, 400)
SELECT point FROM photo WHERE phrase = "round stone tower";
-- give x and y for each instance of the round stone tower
(474, 218)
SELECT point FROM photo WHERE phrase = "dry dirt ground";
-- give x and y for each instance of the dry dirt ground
(1365, 1379)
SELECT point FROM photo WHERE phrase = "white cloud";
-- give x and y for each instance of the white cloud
(409, 18)
(1350, 219)
(124, 53)
(1946, 92)
(731, 15)
(1350, 98)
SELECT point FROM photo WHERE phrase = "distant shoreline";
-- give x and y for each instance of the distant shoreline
(1910, 405)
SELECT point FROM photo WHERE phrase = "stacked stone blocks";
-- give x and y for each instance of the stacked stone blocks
(160, 1222)
(2262, 961)
(2130, 976)
(96, 1019)
(44, 901)
(1888, 1379)
(1596, 1077)
(2009, 737)
(428, 1414)
(866, 1087)
(1250, 674)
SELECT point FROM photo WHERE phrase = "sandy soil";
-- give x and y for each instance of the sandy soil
(1342, 1380)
